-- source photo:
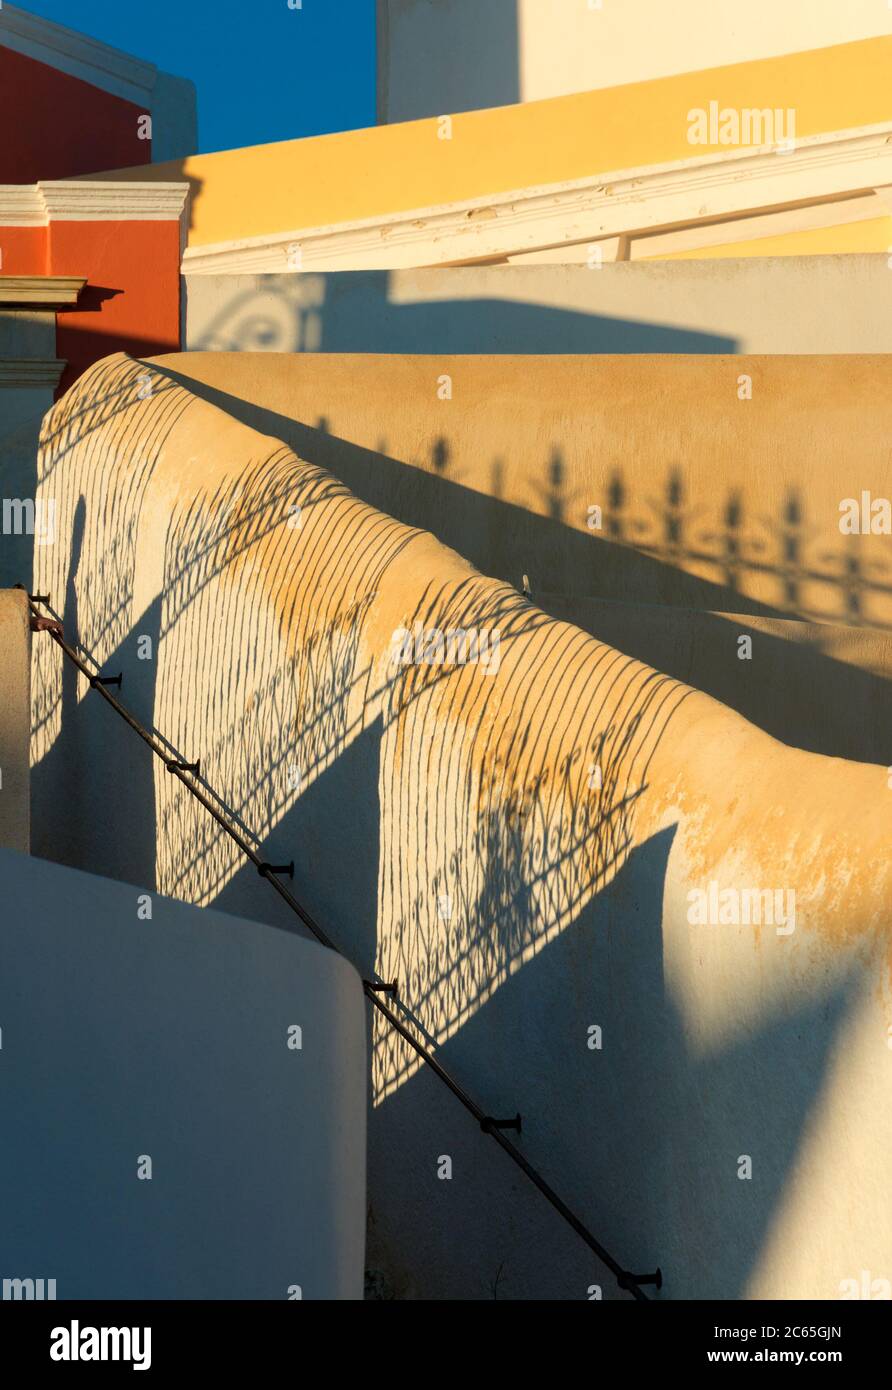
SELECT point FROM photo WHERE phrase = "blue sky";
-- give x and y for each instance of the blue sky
(263, 71)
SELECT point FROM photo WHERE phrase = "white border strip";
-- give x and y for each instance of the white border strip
(89, 59)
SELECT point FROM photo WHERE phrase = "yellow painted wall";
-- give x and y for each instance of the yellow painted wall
(339, 178)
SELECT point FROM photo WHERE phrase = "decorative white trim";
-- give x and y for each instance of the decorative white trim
(77, 200)
(31, 371)
(77, 54)
(21, 206)
(884, 196)
(840, 212)
(624, 203)
(83, 200)
(812, 217)
(40, 289)
(611, 249)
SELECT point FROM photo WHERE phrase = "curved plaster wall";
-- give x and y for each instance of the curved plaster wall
(520, 841)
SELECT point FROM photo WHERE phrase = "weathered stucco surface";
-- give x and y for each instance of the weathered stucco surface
(449, 828)
(768, 304)
(733, 503)
(819, 686)
(15, 721)
(176, 1026)
(708, 501)
(526, 51)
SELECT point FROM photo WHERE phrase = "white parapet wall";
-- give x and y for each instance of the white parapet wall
(797, 304)
(609, 902)
(438, 56)
(183, 1099)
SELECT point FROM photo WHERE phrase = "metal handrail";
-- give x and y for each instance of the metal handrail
(273, 873)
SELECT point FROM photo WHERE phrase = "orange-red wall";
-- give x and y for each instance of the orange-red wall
(54, 126)
(23, 251)
(131, 302)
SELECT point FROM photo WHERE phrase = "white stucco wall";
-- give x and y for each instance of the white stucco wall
(29, 373)
(128, 1037)
(795, 304)
(439, 56)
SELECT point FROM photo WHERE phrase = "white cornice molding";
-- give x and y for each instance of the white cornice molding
(40, 289)
(808, 217)
(626, 202)
(31, 371)
(81, 200)
(21, 206)
(77, 54)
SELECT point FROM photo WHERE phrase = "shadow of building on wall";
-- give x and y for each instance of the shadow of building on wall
(354, 311)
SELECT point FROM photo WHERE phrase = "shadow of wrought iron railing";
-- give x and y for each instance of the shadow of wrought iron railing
(374, 988)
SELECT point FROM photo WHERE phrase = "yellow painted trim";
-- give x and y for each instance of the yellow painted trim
(340, 178)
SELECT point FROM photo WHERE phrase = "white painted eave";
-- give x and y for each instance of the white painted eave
(77, 54)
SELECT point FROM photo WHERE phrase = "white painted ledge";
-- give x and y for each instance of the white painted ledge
(47, 290)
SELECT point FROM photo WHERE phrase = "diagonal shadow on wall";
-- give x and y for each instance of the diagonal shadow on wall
(353, 311)
(616, 569)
